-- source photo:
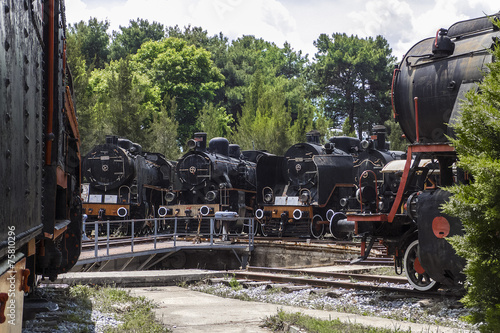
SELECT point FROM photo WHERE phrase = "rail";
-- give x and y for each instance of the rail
(163, 235)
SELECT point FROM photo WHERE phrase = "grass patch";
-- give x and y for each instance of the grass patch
(282, 321)
(135, 314)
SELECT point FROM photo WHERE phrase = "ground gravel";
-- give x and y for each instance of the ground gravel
(445, 312)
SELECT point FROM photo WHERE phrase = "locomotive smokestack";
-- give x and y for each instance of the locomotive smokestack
(379, 134)
(312, 137)
(199, 141)
(111, 139)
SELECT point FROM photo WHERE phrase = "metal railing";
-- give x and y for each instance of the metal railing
(207, 231)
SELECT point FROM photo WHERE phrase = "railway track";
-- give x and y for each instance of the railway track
(336, 280)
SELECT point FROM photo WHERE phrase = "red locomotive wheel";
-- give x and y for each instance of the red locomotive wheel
(415, 273)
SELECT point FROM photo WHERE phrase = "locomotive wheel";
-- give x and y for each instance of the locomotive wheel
(416, 275)
(317, 229)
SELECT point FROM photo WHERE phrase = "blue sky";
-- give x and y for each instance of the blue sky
(401, 22)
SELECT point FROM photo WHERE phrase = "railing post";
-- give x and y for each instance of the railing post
(211, 231)
(107, 238)
(175, 231)
(96, 239)
(132, 242)
(156, 233)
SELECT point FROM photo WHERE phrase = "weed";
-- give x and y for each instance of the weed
(282, 321)
(234, 284)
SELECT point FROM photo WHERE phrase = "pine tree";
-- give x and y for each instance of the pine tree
(478, 204)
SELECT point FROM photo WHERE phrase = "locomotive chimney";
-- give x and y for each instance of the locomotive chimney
(379, 134)
(111, 140)
(312, 137)
(198, 142)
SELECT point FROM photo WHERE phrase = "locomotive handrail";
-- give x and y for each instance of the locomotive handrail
(104, 241)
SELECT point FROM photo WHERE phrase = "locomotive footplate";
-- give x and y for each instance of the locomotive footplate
(364, 222)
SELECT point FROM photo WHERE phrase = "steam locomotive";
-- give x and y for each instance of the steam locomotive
(40, 210)
(311, 188)
(427, 87)
(216, 179)
(124, 182)
(296, 190)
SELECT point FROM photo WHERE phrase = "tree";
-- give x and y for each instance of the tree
(215, 122)
(91, 40)
(353, 77)
(478, 204)
(124, 103)
(129, 39)
(183, 72)
(163, 132)
(265, 121)
(395, 136)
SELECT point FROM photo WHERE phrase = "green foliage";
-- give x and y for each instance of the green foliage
(183, 72)
(129, 39)
(92, 40)
(395, 136)
(282, 321)
(265, 122)
(161, 85)
(234, 284)
(353, 77)
(215, 122)
(163, 134)
(478, 204)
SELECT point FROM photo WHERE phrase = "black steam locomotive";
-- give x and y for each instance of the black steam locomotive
(427, 87)
(296, 190)
(40, 209)
(311, 188)
(216, 179)
(124, 182)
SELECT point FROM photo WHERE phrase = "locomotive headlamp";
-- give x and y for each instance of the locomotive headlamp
(205, 210)
(298, 214)
(211, 196)
(164, 211)
(365, 144)
(268, 194)
(170, 196)
(122, 212)
(259, 213)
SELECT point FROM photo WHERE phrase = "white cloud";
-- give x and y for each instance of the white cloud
(402, 22)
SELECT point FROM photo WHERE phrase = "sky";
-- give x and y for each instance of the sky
(298, 22)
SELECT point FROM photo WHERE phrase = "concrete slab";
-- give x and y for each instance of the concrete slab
(138, 278)
(188, 311)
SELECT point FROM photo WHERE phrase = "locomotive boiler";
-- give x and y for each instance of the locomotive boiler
(123, 181)
(212, 179)
(427, 87)
(40, 210)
